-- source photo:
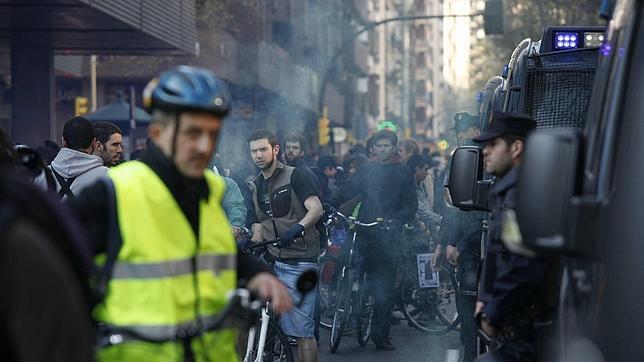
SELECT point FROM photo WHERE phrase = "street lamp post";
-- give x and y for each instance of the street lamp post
(349, 42)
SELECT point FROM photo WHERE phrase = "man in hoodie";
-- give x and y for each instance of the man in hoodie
(75, 168)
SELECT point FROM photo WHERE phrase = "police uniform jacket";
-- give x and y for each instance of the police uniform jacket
(510, 282)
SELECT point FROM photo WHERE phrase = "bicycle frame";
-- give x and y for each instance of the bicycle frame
(262, 336)
(348, 283)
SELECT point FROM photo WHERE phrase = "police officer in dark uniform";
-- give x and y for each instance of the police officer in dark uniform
(511, 283)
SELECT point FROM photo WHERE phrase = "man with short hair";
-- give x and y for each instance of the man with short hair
(170, 259)
(294, 150)
(387, 191)
(510, 288)
(463, 246)
(407, 148)
(109, 143)
(429, 219)
(287, 206)
(325, 171)
(75, 167)
(466, 126)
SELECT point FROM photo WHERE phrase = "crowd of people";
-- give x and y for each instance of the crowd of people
(113, 254)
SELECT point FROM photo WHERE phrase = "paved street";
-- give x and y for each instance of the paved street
(411, 346)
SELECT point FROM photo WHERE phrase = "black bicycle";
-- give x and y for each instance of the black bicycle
(353, 298)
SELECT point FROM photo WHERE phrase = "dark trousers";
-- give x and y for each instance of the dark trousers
(382, 267)
(512, 351)
(518, 340)
(466, 304)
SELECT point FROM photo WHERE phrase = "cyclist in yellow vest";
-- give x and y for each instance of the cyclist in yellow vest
(167, 254)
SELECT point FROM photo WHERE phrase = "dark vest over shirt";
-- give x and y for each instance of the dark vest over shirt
(287, 210)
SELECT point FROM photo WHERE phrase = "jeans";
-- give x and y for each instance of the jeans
(300, 321)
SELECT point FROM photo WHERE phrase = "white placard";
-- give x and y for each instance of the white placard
(426, 280)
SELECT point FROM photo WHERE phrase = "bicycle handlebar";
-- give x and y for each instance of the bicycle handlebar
(261, 245)
(353, 221)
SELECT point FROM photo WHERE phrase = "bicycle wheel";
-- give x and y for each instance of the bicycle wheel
(342, 309)
(327, 291)
(276, 347)
(365, 311)
(426, 309)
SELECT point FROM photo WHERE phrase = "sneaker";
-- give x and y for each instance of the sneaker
(384, 344)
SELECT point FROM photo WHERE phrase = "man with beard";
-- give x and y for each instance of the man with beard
(517, 299)
(109, 143)
(294, 150)
(387, 191)
(287, 206)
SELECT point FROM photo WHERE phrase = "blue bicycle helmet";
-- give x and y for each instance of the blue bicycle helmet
(187, 88)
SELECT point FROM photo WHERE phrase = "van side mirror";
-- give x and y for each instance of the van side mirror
(466, 186)
(548, 179)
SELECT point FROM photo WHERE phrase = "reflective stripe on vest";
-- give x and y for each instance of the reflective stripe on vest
(170, 333)
(214, 263)
(152, 291)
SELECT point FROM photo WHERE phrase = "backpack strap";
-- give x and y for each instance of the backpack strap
(65, 185)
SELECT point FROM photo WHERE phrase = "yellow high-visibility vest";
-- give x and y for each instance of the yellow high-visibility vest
(153, 291)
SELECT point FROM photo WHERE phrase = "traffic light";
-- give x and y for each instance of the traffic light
(493, 17)
(81, 106)
(324, 131)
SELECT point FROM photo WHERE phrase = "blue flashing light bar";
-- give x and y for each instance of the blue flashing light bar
(562, 38)
(566, 40)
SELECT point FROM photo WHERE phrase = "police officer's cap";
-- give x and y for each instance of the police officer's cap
(507, 123)
(187, 88)
(463, 121)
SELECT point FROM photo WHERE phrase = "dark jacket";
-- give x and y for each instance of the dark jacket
(386, 190)
(323, 183)
(515, 280)
(301, 164)
(466, 236)
(44, 269)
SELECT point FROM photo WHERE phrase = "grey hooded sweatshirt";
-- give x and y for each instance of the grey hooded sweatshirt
(70, 163)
